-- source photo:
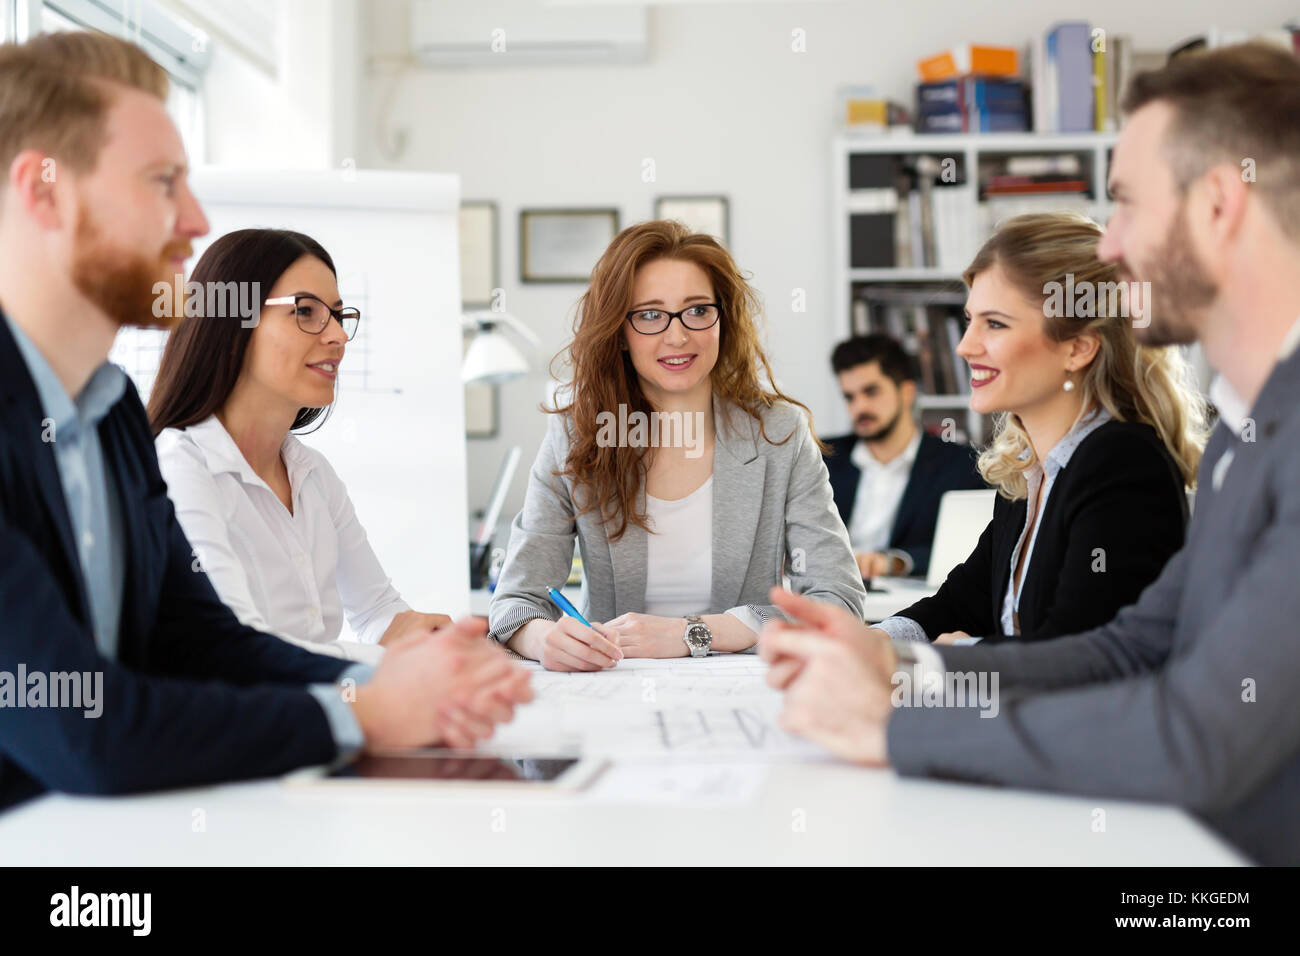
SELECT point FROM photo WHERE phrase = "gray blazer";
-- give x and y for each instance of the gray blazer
(1190, 696)
(772, 506)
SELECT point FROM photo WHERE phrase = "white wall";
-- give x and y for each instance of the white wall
(301, 116)
(723, 106)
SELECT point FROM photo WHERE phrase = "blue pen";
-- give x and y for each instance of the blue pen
(560, 601)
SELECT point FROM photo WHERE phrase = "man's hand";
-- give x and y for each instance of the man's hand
(826, 619)
(951, 637)
(837, 674)
(874, 564)
(645, 635)
(841, 697)
(412, 624)
(448, 687)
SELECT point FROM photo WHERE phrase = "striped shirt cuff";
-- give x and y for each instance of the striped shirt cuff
(903, 629)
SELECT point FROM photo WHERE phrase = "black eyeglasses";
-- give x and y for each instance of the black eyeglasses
(697, 318)
(313, 315)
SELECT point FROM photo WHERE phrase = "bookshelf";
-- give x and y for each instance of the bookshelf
(924, 293)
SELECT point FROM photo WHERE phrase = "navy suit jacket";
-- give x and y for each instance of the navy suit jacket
(193, 696)
(940, 467)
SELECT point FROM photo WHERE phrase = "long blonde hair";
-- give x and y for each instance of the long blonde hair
(1134, 383)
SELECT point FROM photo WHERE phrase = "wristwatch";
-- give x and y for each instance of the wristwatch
(698, 637)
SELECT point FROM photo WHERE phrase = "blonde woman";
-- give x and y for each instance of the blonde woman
(683, 529)
(1097, 440)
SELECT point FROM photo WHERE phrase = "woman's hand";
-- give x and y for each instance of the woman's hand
(951, 637)
(644, 635)
(412, 624)
(566, 645)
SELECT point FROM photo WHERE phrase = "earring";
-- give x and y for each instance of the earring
(1068, 386)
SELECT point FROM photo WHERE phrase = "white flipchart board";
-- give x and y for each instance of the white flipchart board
(396, 435)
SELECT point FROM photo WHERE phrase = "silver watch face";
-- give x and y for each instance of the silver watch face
(697, 635)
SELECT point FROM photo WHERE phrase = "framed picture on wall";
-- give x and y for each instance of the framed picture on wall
(479, 265)
(562, 245)
(707, 214)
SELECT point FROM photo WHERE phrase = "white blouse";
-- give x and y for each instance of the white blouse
(679, 553)
(294, 575)
(1042, 473)
(679, 557)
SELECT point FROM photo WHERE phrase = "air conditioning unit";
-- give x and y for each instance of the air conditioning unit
(459, 33)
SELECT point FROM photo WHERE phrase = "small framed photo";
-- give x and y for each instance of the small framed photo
(479, 266)
(707, 214)
(562, 245)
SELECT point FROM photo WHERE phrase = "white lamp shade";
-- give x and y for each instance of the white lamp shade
(492, 359)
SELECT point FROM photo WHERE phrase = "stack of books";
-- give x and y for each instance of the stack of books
(928, 330)
(906, 212)
(860, 110)
(973, 89)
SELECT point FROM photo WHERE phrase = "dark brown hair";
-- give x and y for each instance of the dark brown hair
(204, 355)
(1232, 104)
(604, 377)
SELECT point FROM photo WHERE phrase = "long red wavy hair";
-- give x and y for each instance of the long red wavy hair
(604, 377)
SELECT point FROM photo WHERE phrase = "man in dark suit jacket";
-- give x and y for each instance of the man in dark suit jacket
(1189, 695)
(891, 512)
(120, 669)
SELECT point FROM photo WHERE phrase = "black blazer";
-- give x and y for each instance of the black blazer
(1116, 514)
(194, 696)
(940, 467)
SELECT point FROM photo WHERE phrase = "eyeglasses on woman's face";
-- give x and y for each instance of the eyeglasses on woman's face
(313, 315)
(697, 318)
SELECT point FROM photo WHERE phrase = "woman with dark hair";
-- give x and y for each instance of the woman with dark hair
(269, 520)
(690, 482)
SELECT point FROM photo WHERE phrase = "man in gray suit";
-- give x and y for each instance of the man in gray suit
(1190, 696)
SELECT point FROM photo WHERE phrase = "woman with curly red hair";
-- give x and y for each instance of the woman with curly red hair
(689, 480)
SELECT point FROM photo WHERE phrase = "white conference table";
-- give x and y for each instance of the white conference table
(804, 814)
(789, 802)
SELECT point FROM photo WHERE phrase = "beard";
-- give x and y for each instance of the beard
(121, 281)
(1179, 288)
(880, 434)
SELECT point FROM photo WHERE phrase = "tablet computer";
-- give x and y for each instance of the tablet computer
(461, 768)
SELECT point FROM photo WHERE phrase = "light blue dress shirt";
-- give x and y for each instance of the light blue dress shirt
(72, 427)
(92, 497)
(906, 629)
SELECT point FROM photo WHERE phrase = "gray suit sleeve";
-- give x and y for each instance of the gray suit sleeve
(540, 552)
(819, 560)
(1206, 729)
(1136, 642)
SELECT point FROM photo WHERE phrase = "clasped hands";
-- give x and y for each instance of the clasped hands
(837, 675)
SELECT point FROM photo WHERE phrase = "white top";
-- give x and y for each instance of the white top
(679, 557)
(679, 553)
(294, 575)
(1043, 473)
(880, 490)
